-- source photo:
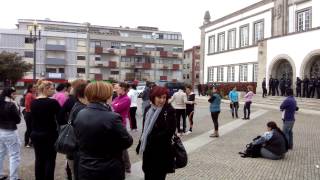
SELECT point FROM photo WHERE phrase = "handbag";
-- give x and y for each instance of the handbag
(66, 142)
(180, 153)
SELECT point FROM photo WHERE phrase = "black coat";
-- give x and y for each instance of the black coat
(158, 155)
(101, 139)
(9, 116)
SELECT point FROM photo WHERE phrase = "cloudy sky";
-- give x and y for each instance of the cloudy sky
(168, 15)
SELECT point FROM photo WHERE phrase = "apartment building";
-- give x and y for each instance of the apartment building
(117, 53)
(191, 66)
(269, 38)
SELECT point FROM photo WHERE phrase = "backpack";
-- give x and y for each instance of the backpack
(252, 150)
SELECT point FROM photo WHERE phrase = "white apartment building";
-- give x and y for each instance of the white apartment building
(270, 37)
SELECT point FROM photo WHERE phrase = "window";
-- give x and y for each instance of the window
(184, 76)
(114, 72)
(231, 74)
(197, 76)
(61, 70)
(97, 58)
(28, 54)
(243, 73)
(258, 31)
(115, 45)
(221, 41)
(184, 66)
(303, 21)
(188, 66)
(220, 74)
(81, 70)
(81, 57)
(255, 72)
(28, 40)
(244, 35)
(210, 74)
(51, 70)
(232, 39)
(211, 44)
(188, 76)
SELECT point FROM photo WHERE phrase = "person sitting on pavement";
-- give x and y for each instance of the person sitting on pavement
(274, 142)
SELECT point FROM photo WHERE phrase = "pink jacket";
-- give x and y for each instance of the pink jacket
(248, 96)
(121, 105)
(61, 97)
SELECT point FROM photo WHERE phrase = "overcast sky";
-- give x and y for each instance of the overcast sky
(168, 15)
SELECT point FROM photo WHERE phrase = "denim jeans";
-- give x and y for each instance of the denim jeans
(9, 142)
(269, 155)
(287, 130)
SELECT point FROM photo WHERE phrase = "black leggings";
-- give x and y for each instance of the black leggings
(190, 115)
(154, 176)
(133, 120)
(234, 106)
(179, 113)
(215, 116)
(28, 119)
(245, 109)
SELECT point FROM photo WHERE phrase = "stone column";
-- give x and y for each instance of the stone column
(262, 64)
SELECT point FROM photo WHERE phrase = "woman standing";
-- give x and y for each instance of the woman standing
(190, 106)
(101, 136)
(215, 101)
(248, 101)
(133, 95)
(9, 139)
(159, 124)
(61, 95)
(234, 102)
(44, 131)
(121, 105)
(30, 96)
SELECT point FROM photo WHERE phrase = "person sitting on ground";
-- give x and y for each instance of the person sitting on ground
(274, 142)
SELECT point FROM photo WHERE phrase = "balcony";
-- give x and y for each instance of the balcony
(98, 50)
(98, 77)
(55, 61)
(146, 65)
(55, 47)
(175, 66)
(163, 78)
(112, 64)
(163, 54)
(55, 76)
(130, 52)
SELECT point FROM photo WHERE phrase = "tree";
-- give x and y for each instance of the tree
(12, 67)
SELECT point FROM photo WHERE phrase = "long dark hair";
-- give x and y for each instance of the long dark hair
(29, 88)
(7, 92)
(272, 125)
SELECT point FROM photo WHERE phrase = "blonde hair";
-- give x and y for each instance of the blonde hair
(98, 91)
(42, 85)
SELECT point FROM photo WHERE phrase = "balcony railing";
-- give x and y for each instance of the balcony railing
(55, 47)
(175, 66)
(163, 54)
(112, 64)
(98, 50)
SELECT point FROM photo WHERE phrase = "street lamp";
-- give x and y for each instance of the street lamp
(35, 35)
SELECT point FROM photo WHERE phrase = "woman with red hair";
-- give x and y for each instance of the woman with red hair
(159, 125)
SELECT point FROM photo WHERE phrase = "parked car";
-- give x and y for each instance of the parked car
(174, 87)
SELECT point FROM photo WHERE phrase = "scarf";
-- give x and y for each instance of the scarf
(151, 118)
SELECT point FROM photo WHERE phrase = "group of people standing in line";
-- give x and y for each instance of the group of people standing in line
(304, 88)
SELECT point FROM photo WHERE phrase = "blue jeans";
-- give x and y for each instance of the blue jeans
(9, 142)
(287, 130)
(269, 155)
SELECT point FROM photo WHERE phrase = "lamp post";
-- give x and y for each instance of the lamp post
(88, 52)
(35, 35)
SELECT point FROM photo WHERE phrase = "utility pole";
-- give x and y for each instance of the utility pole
(88, 52)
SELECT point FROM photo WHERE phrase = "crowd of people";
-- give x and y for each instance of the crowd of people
(306, 88)
(99, 113)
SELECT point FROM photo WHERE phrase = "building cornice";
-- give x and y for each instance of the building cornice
(239, 12)
(297, 2)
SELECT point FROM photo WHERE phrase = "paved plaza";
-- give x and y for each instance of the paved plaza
(218, 158)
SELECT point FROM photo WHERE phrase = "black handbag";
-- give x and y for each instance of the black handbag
(66, 142)
(180, 153)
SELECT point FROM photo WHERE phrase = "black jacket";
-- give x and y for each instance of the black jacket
(101, 139)
(66, 109)
(278, 144)
(158, 155)
(9, 116)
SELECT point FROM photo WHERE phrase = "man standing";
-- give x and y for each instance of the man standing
(312, 84)
(180, 98)
(298, 87)
(264, 88)
(276, 86)
(282, 85)
(287, 84)
(305, 87)
(289, 107)
(271, 84)
(146, 97)
(318, 87)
